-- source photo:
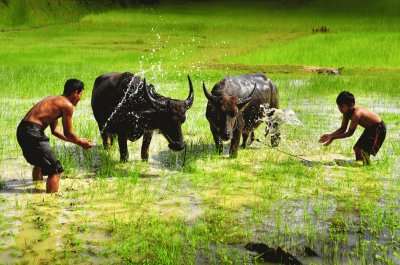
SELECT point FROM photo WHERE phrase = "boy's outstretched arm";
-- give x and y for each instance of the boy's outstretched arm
(352, 128)
(326, 137)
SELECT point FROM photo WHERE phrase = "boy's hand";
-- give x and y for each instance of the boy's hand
(85, 143)
(324, 138)
(328, 142)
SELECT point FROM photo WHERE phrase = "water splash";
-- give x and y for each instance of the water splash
(274, 118)
(131, 90)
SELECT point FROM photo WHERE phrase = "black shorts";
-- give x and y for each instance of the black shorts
(36, 148)
(372, 138)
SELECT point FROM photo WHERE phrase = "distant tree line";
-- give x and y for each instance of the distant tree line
(123, 3)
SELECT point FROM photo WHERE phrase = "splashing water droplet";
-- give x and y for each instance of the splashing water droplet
(273, 118)
(123, 100)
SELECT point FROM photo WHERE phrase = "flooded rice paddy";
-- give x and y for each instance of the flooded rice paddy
(198, 207)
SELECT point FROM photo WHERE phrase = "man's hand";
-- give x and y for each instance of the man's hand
(324, 138)
(85, 143)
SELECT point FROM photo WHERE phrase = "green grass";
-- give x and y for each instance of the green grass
(196, 206)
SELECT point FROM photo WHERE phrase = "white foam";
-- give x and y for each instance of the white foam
(274, 118)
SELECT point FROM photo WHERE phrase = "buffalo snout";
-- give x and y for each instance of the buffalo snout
(176, 146)
(226, 136)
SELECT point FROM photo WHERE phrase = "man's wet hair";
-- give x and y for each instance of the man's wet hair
(72, 85)
(345, 97)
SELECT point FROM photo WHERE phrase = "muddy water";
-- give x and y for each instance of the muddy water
(42, 228)
(36, 227)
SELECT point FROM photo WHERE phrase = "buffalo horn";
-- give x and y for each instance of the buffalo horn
(190, 98)
(212, 99)
(243, 102)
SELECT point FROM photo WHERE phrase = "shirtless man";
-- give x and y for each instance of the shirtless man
(35, 144)
(375, 129)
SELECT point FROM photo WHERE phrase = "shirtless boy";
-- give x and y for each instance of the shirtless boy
(375, 129)
(35, 144)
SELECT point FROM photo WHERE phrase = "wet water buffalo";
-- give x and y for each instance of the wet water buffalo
(124, 105)
(237, 106)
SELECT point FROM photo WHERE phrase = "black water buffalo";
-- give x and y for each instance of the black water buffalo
(124, 105)
(237, 106)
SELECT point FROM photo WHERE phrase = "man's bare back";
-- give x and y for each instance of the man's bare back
(48, 110)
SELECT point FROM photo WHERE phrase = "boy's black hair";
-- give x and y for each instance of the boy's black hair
(71, 85)
(345, 97)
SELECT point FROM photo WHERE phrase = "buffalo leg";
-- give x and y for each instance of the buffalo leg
(233, 150)
(273, 129)
(246, 140)
(218, 142)
(245, 136)
(146, 144)
(276, 137)
(107, 140)
(123, 147)
(252, 137)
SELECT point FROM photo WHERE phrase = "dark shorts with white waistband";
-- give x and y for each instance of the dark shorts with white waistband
(372, 138)
(36, 148)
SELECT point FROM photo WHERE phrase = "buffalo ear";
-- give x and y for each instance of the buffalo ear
(157, 104)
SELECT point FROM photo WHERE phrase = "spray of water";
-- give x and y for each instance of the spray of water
(274, 118)
(131, 90)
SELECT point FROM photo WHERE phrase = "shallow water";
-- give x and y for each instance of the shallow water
(77, 221)
(37, 225)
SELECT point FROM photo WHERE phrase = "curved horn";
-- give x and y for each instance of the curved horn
(243, 102)
(190, 98)
(157, 104)
(212, 99)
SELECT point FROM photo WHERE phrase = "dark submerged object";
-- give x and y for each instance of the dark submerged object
(142, 112)
(236, 106)
(272, 255)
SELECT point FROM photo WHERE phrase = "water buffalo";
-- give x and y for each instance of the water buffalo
(237, 106)
(124, 105)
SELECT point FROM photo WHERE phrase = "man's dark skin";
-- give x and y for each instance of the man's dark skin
(46, 113)
(362, 117)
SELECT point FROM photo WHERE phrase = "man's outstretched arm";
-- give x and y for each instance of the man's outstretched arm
(56, 131)
(68, 132)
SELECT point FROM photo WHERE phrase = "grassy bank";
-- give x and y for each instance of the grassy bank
(196, 206)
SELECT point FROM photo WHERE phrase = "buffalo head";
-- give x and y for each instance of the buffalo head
(169, 114)
(225, 110)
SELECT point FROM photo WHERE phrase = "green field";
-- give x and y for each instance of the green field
(195, 206)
